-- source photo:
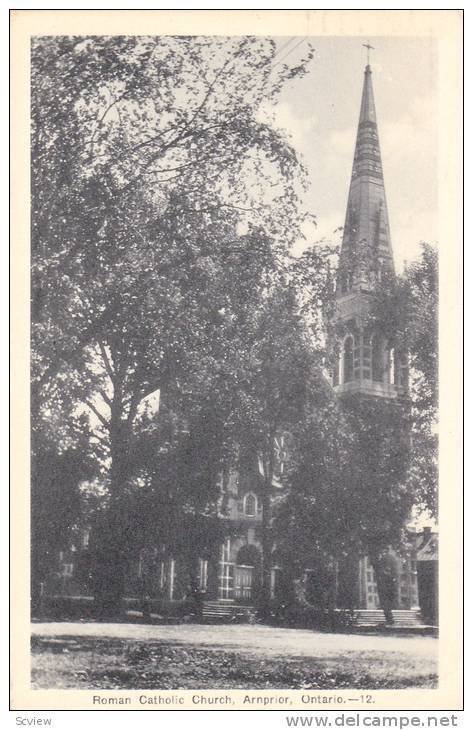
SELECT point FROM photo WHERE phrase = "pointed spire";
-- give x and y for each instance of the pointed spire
(367, 111)
(366, 251)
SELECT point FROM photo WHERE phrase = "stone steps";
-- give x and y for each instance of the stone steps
(224, 611)
(230, 611)
(402, 617)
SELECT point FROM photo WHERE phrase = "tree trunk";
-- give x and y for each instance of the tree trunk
(111, 557)
(110, 564)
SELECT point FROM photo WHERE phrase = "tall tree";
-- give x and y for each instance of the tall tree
(147, 154)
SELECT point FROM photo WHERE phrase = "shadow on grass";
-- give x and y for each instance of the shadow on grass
(90, 663)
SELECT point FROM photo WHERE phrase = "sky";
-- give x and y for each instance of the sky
(320, 113)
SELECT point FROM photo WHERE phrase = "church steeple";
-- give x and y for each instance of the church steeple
(365, 361)
(366, 253)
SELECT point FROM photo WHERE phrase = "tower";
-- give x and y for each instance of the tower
(370, 373)
(365, 363)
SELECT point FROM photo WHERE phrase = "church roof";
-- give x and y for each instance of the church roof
(366, 251)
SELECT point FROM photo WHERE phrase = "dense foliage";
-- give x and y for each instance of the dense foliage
(154, 175)
(407, 311)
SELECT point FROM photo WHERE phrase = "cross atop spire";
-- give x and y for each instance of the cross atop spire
(368, 49)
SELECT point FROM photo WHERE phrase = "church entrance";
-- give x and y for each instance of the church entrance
(246, 573)
(243, 582)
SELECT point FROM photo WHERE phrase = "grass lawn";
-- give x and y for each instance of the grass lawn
(107, 662)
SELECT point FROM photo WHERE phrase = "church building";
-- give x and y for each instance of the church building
(366, 366)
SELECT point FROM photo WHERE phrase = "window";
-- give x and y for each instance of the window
(280, 456)
(348, 359)
(275, 581)
(392, 378)
(203, 570)
(377, 359)
(172, 571)
(226, 572)
(250, 505)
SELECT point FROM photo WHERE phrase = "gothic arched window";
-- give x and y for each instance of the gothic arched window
(280, 456)
(250, 505)
(348, 359)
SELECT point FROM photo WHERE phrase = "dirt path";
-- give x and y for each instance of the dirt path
(261, 640)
